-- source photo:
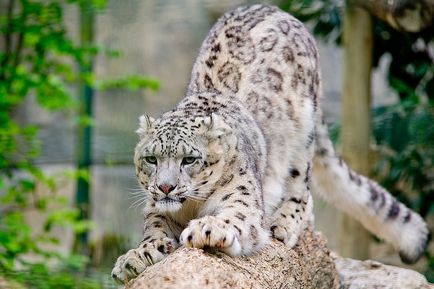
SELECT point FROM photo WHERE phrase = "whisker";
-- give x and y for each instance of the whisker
(140, 196)
(135, 189)
(201, 186)
(196, 198)
(137, 193)
(135, 197)
(138, 190)
(138, 203)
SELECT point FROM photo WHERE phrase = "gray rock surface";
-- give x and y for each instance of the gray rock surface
(370, 274)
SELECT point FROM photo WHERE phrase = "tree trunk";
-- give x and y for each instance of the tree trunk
(309, 265)
(404, 15)
(356, 117)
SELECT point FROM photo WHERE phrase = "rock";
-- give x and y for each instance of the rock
(307, 265)
(371, 274)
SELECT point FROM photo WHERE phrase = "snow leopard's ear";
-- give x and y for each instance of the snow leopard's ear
(145, 123)
(215, 126)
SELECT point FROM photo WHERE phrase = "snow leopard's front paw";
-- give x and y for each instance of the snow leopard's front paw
(291, 219)
(287, 233)
(210, 231)
(135, 261)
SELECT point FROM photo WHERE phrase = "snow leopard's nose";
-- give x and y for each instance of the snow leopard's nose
(166, 188)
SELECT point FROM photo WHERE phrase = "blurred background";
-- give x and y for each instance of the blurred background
(75, 76)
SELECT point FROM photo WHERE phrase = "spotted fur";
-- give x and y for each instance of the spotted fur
(235, 160)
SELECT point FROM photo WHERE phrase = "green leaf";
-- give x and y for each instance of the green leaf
(132, 82)
(85, 121)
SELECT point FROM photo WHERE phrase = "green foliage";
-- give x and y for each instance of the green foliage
(405, 133)
(132, 82)
(39, 59)
(410, 72)
(66, 277)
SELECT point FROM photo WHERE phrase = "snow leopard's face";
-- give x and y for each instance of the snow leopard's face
(176, 159)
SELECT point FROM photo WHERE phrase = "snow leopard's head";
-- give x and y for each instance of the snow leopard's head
(179, 158)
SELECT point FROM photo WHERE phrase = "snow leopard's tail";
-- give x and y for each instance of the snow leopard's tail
(366, 201)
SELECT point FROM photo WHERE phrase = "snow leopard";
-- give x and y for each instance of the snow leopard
(234, 163)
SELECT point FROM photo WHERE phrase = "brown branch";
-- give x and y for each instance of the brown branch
(403, 15)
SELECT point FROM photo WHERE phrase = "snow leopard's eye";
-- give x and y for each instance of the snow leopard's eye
(188, 160)
(151, 160)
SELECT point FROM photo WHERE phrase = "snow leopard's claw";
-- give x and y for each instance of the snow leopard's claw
(135, 261)
(283, 235)
(129, 266)
(210, 231)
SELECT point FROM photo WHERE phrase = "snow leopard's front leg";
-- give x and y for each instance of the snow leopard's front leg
(231, 220)
(295, 212)
(158, 241)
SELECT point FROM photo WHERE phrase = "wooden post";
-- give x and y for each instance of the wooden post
(357, 44)
(84, 132)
